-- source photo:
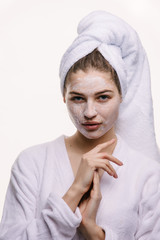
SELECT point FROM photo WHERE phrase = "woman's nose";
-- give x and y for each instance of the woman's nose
(90, 110)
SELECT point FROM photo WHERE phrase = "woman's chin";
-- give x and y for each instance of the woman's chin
(92, 135)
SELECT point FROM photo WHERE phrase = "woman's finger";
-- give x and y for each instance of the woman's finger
(109, 157)
(101, 146)
(100, 173)
(96, 181)
(97, 163)
(106, 167)
(95, 193)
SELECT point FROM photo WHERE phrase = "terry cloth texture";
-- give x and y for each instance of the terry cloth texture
(34, 208)
(120, 45)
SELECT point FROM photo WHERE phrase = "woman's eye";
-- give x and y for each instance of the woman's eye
(103, 97)
(77, 99)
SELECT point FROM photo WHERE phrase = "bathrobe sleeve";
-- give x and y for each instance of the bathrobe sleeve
(149, 209)
(20, 222)
(110, 234)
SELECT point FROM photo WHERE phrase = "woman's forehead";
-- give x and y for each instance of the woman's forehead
(90, 81)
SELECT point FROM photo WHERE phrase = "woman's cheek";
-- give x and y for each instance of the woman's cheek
(75, 113)
(114, 111)
(110, 112)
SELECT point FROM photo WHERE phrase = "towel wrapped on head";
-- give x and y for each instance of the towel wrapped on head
(120, 46)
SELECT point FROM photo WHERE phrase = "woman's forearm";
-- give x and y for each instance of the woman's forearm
(92, 231)
(73, 196)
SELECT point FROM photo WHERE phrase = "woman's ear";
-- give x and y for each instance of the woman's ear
(64, 94)
(121, 98)
(64, 99)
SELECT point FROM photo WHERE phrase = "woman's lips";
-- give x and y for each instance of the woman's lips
(91, 125)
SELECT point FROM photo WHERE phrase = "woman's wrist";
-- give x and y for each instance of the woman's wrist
(73, 196)
(100, 233)
(91, 231)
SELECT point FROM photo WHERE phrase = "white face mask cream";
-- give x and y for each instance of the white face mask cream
(93, 100)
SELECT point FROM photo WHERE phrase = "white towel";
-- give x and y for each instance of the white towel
(120, 45)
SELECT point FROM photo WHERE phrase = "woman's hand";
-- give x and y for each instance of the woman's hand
(92, 161)
(88, 208)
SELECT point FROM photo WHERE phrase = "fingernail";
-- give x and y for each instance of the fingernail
(115, 175)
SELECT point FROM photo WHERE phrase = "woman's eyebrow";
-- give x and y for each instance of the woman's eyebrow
(97, 93)
(104, 91)
(76, 93)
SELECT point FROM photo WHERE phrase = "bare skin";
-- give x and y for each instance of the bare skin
(94, 160)
(76, 147)
(90, 148)
(89, 209)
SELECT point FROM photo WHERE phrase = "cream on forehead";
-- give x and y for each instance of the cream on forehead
(89, 82)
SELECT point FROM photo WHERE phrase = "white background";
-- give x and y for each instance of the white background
(33, 36)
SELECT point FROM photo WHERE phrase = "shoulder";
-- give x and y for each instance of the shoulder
(29, 168)
(140, 163)
(143, 162)
(140, 172)
(36, 155)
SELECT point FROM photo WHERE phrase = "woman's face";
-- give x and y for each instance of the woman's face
(92, 100)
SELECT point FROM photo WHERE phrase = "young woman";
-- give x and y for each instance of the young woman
(104, 181)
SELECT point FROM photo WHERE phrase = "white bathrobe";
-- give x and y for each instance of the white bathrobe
(34, 208)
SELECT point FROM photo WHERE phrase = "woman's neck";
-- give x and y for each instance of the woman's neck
(83, 144)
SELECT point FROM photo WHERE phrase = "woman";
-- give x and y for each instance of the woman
(104, 181)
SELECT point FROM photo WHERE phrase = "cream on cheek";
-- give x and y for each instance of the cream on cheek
(87, 86)
(75, 112)
(77, 117)
(109, 114)
(106, 113)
